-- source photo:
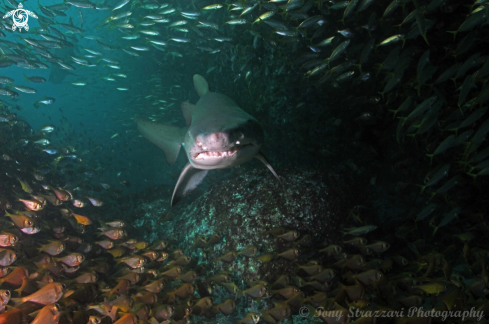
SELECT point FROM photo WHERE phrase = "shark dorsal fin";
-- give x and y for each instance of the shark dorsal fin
(201, 85)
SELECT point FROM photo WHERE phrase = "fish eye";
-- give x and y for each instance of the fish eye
(29, 223)
(172, 308)
(15, 238)
(63, 286)
(56, 307)
(7, 293)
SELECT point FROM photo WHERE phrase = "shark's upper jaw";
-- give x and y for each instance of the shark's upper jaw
(221, 154)
(223, 148)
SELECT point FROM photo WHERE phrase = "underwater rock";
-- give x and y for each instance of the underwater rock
(239, 209)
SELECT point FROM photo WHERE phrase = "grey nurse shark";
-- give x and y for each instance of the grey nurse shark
(218, 135)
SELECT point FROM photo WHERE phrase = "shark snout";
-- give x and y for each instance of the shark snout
(219, 141)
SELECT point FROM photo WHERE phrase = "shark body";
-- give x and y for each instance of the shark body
(219, 135)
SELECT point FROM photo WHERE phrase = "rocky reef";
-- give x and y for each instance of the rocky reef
(239, 209)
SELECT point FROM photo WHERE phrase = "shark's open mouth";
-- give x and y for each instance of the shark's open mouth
(220, 154)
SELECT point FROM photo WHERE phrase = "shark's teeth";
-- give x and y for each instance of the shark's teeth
(204, 155)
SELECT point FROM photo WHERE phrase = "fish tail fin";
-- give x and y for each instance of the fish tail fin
(36, 104)
(17, 301)
(422, 188)
(25, 76)
(434, 231)
(454, 32)
(107, 306)
(239, 294)
(19, 291)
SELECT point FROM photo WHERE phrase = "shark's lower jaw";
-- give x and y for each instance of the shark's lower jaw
(207, 155)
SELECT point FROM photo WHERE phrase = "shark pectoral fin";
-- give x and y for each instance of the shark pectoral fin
(187, 111)
(262, 158)
(189, 179)
(168, 138)
(200, 85)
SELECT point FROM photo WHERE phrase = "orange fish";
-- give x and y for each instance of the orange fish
(155, 286)
(15, 277)
(72, 259)
(52, 199)
(25, 186)
(94, 320)
(7, 257)
(48, 294)
(116, 223)
(83, 220)
(128, 318)
(114, 234)
(49, 314)
(106, 244)
(61, 194)
(133, 277)
(151, 255)
(172, 273)
(21, 221)
(4, 272)
(32, 204)
(4, 298)
(14, 316)
(95, 201)
(7, 239)
(135, 261)
(122, 288)
(88, 277)
(53, 248)
(123, 302)
(184, 290)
